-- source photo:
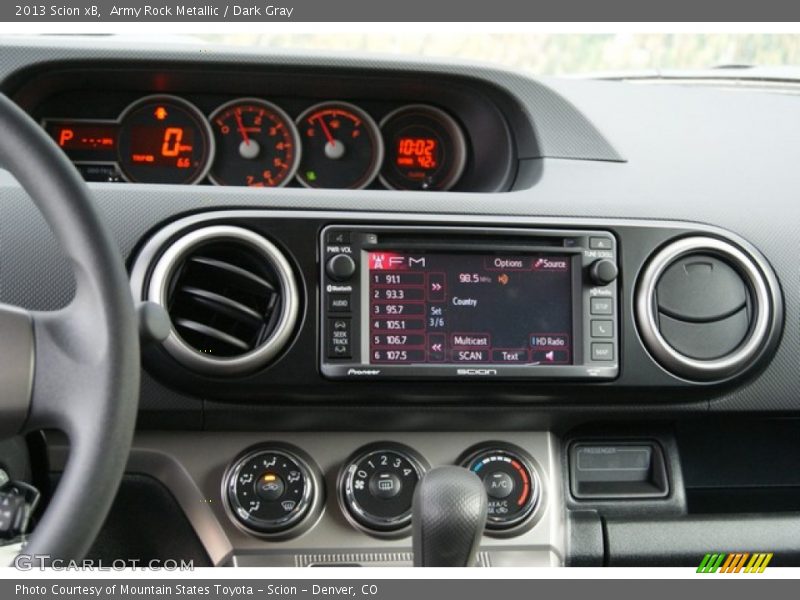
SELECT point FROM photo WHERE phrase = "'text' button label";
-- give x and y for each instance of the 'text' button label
(510, 356)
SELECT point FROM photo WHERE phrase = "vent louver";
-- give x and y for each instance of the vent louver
(703, 308)
(231, 298)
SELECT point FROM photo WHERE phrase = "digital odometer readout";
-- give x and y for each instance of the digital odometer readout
(437, 308)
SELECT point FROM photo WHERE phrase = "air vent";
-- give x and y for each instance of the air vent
(704, 308)
(231, 297)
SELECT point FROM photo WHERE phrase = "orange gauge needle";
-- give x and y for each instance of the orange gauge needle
(326, 131)
(240, 126)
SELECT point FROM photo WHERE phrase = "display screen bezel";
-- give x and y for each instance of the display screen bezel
(355, 238)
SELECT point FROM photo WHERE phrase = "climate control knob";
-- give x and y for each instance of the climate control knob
(271, 489)
(511, 483)
(376, 488)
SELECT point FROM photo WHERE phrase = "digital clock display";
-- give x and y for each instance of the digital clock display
(425, 149)
(419, 153)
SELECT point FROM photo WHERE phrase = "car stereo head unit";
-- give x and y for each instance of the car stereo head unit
(425, 302)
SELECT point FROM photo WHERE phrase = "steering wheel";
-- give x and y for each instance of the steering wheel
(75, 369)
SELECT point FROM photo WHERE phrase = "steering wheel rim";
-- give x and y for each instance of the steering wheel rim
(75, 369)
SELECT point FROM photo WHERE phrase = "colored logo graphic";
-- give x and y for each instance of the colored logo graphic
(736, 562)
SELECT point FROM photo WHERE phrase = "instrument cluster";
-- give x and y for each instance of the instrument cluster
(249, 141)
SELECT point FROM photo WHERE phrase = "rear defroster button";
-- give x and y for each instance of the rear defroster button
(385, 485)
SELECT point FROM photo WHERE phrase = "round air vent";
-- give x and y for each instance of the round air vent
(704, 308)
(231, 297)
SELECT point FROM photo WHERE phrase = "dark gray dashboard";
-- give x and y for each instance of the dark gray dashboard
(649, 169)
(604, 153)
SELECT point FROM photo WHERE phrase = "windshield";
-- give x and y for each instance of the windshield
(554, 54)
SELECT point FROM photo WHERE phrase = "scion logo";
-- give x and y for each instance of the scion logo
(735, 562)
(476, 371)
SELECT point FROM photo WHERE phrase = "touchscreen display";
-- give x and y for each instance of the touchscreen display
(461, 308)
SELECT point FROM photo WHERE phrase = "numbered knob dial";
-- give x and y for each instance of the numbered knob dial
(270, 490)
(377, 487)
(511, 484)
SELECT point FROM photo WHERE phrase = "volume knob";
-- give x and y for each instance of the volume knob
(340, 267)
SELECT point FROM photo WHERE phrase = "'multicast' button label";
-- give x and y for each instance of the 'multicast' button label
(471, 340)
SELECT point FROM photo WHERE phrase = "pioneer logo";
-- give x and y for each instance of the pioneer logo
(476, 371)
(363, 371)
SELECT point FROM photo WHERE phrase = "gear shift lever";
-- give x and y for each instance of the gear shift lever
(449, 514)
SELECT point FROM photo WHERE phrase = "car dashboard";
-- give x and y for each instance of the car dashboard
(583, 291)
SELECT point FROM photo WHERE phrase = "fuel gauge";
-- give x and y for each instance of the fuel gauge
(342, 147)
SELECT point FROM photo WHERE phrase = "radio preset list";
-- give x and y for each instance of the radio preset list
(420, 302)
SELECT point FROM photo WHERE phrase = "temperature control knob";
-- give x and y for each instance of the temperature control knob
(270, 490)
(510, 481)
(376, 488)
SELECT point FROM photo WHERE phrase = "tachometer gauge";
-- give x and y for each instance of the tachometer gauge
(342, 147)
(164, 139)
(257, 144)
(425, 149)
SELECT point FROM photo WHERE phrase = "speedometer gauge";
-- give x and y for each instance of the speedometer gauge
(164, 139)
(425, 149)
(342, 147)
(257, 144)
